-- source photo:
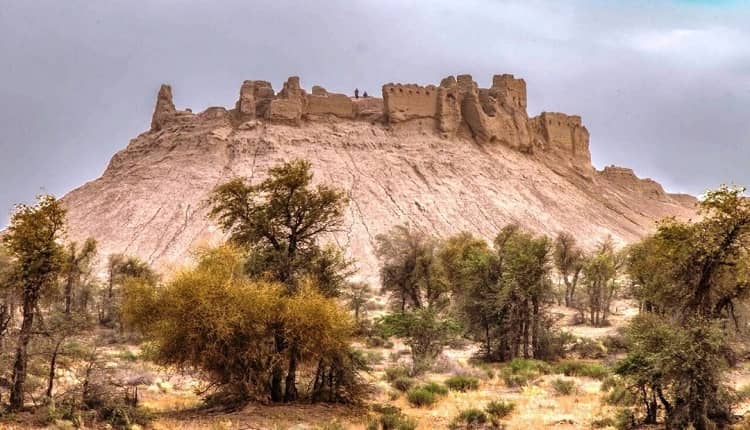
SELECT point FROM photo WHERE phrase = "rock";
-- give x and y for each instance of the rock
(164, 109)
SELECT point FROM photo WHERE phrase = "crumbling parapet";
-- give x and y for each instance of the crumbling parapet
(289, 106)
(322, 103)
(565, 135)
(509, 91)
(406, 102)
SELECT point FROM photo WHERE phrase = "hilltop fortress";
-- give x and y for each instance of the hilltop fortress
(443, 159)
(458, 107)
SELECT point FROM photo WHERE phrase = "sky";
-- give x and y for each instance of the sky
(663, 86)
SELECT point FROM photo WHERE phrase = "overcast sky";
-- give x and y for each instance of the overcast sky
(663, 87)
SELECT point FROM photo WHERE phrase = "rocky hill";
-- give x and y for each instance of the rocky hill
(442, 158)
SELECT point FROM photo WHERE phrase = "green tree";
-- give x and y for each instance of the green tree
(501, 293)
(413, 275)
(569, 261)
(280, 222)
(76, 264)
(7, 293)
(473, 272)
(32, 241)
(600, 282)
(410, 270)
(120, 270)
(681, 341)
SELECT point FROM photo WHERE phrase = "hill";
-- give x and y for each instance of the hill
(444, 159)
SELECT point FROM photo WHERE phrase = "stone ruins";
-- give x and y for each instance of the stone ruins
(457, 108)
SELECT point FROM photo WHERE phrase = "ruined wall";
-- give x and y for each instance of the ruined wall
(289, 106)
(566, 137)
(410, 101)
(509, 91)
(323, 103)
(458, 107)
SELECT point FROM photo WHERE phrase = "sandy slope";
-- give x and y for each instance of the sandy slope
(151, 201)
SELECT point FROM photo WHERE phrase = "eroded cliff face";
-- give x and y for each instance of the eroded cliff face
(444, 159)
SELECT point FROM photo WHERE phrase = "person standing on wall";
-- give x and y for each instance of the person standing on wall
(356, 93)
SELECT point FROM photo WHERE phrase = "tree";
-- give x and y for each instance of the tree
(410, 270)
(413, 274)
(473, 272)
(280, 222)
(599, 278)
(357, 296)
(32, 241)
(501, 292)
(681, 345)
(569, 261)
(76, 264)
(120, 270)
(7, 293)
(216, 319)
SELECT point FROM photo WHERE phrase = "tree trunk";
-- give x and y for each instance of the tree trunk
(52, 364)
(19, 366)
(290, 385)
(68, 295)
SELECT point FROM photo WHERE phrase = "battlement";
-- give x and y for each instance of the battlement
(458, 108)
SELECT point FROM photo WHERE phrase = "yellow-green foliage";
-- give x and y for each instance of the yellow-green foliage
(215, 319)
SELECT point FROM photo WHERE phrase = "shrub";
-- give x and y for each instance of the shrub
(524, 365)
(616, 343)
(520, 371)
(620, 396)
(462, 383)
(421, 397)
(601, 423)
(373, 357)
(499, 408)
(395, 372)
(390, 418)
(625, 419)
(403, 383)
(435, 388)
(608, 383)
(590, 348)
(581, 368)
(563, 387)
(469, 418)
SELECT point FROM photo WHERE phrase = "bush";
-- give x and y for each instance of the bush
(520, 371)
(590, 348)
(616, 343)
(462, 383)
(435, 388)
(499, 408)
(581, 368)
(524, 365)
(403, 383)
(391, 418)
(608, 383)
(469, 418)
(396, 372)
(563, 387)
(421, 397)
(620, 396)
